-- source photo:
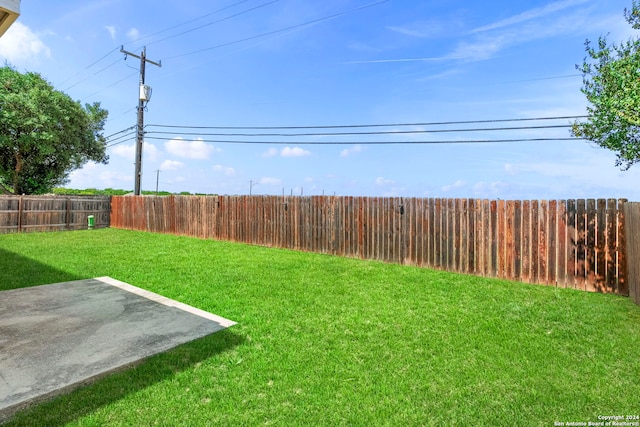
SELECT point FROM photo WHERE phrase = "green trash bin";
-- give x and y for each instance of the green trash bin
(91, 221)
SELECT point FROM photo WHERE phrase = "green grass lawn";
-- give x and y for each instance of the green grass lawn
(323, 340)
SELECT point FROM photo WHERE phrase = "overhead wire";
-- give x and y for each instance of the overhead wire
(120, 139)
(97, 61)
(122, 131)
(128, 76)
(214, 22)
(101, 58)
(473, 141)
(291, 27)
(93, 74)
(393, 132)
(186, 22)
(372, 125)
(177, 132)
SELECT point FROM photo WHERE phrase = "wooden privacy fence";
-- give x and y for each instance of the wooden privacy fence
(52, 213)
(567, 243)
(632, 231)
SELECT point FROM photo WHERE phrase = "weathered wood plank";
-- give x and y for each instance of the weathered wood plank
(484, 241)
(543, 213)
(561, 245)
(591, 280)
(600, 245)
(525, 266)
(571, 244)
(632, 231)
(517, 234)
(493, 238)
(509, 238)
(501, 239)
(471, 233)
(552, 254)
(611, 244)
(581, 244)
(623, 253)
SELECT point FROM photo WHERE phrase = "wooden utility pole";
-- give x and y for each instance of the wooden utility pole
(141, 104)
(157, 179)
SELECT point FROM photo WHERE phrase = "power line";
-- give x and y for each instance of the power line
(128, 76)
(97, 61)
(315, 21)
(186, 22)
(395, 132)
(155, 34)
(87, 67)
(121, 142)
(214, 22)
(158, 41)
(101, 58)
(119, 132)
(467, 141)
(90, 76)
(120, 139)
(373, 125)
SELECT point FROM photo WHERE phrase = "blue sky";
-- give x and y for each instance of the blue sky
(389, 62)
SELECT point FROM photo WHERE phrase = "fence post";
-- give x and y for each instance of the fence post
(68, 213)
(631, 232)
(20, 214)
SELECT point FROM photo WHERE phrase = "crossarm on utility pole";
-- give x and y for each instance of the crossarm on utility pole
(140, 136)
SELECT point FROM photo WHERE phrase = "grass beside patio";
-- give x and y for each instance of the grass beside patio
(323, 340)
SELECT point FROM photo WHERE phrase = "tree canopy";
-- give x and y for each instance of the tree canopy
(44, 134)
(611, 84)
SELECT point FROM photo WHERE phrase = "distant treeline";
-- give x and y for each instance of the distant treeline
(116, 192)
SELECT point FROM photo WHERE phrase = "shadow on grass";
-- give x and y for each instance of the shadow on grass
(17, 271)
(83, 401)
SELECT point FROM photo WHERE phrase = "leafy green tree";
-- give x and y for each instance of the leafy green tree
(44, 134)
(611, 83)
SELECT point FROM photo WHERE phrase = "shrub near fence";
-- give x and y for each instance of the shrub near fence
(52, 213)
(577, 244)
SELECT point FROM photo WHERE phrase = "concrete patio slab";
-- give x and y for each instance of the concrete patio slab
(56, 337)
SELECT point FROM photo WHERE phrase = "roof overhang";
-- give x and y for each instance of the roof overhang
(9, 12)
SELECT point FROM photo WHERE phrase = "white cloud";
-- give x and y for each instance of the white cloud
(112, 31)
(113, 179)
(490, 189)
(177, 180)
(510, 169)
(294, 152)
(270, 181)
(171, 165)
(536, 24)
(407, 31)
(286, 152)
(530, 15)
(227, 171)
(271, 152)
(383, 181)
(351, 150)
(362, 47)
(480, 49)
(133, 34)
(149, 151)
(422, 29)
(458, 184)
(19, 44)
(128, 151)
(93, 175)
(196, 149)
